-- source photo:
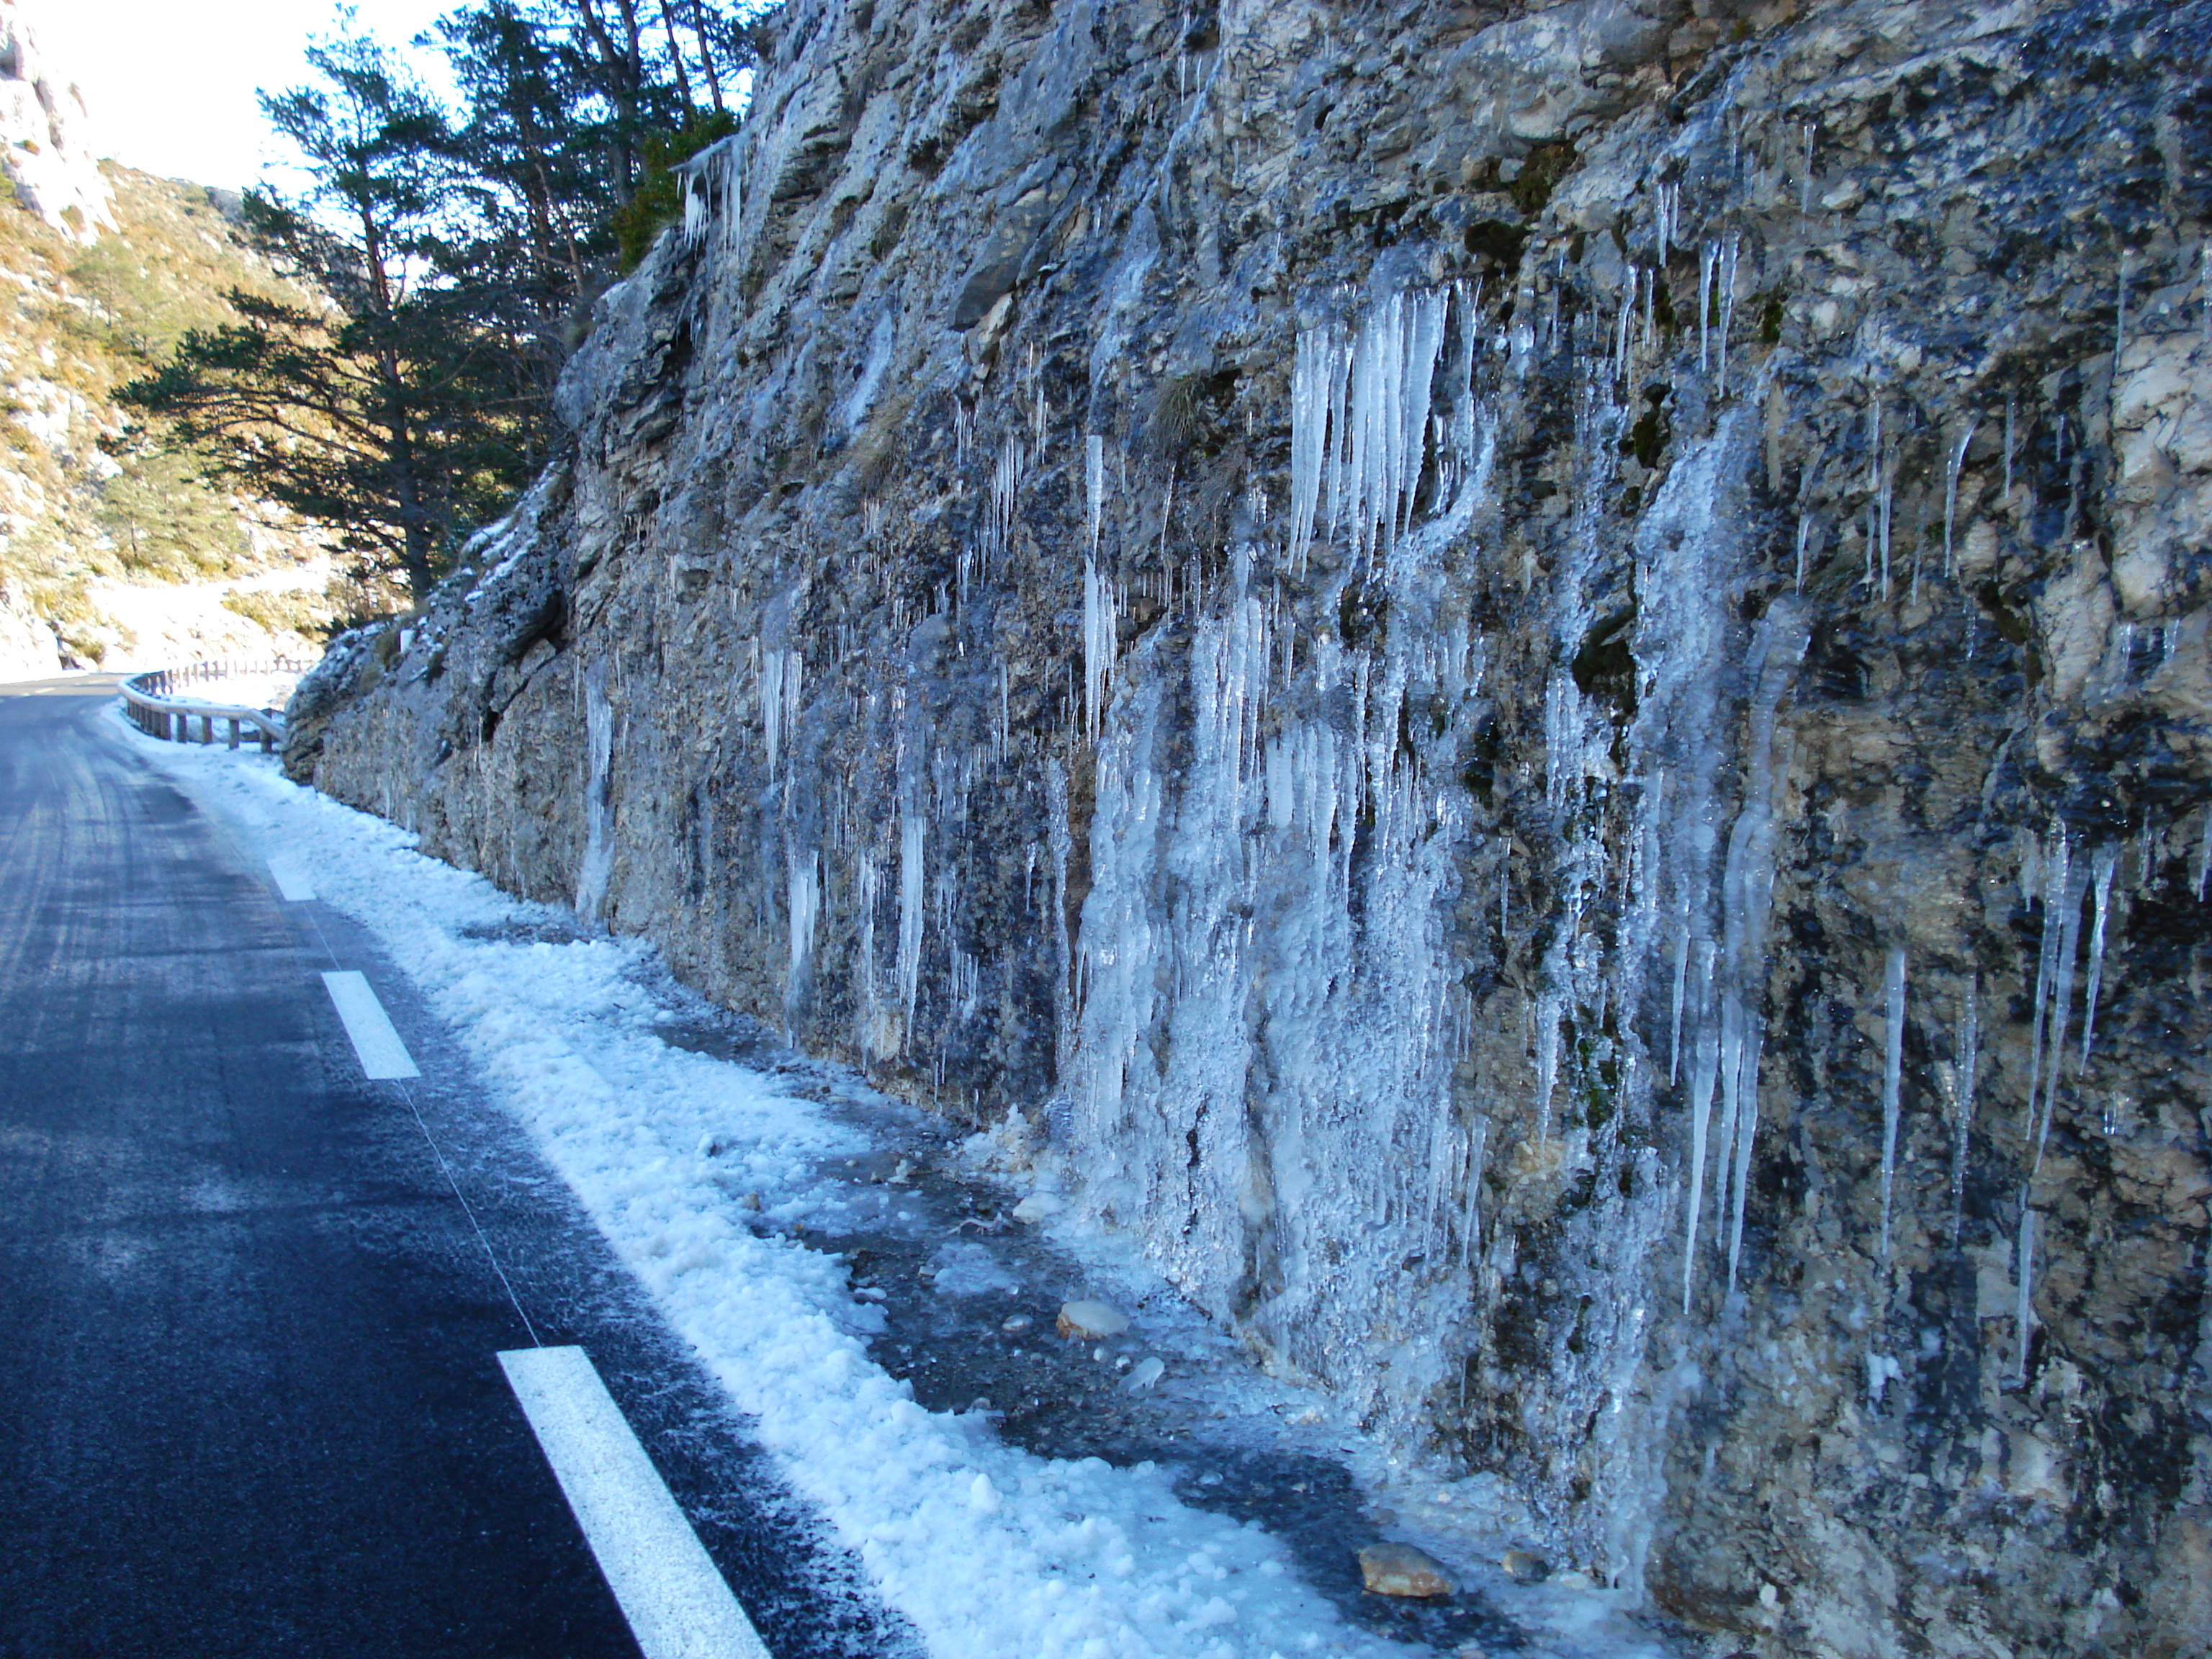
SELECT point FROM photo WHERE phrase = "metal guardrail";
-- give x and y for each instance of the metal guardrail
(152, 702)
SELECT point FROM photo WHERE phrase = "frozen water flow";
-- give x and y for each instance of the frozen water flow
(782, 670)
(597, 868)
(805, 870)
(1100, 613)
(914, 828)
(1228, 1074)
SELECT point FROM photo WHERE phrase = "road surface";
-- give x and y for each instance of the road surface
(254, 1295)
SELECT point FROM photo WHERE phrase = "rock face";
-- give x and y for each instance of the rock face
(41, 137)
(1538, 679)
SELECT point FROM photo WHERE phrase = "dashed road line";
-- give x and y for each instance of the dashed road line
(382, 1053)
(677, 1604)
(292, 882)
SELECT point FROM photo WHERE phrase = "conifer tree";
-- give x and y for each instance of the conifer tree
(389, 414)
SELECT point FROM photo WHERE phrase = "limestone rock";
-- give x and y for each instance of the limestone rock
(1402, 1570)
(1091, 1321)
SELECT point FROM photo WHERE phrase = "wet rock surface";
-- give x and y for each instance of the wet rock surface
(1534, 682)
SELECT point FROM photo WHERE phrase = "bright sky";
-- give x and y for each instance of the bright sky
(170, 86)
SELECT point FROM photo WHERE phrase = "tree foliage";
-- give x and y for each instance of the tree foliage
(460, 250)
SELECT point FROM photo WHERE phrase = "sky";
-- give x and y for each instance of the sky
(170, 87)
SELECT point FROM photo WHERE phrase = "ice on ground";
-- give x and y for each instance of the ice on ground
(701, 1171)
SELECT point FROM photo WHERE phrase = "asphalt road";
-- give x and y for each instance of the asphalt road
(251, 1301)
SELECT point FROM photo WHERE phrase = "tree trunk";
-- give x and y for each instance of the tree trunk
(675, 57)
(706, 57)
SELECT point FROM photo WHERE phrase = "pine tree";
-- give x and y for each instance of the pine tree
(390, 415)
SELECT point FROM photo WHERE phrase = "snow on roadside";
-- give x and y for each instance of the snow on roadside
(988, 1550)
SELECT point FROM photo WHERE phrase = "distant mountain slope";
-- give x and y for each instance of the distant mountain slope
(90, 519)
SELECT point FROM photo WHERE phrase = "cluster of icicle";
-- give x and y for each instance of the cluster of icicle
(713, 203)
(1271, 876)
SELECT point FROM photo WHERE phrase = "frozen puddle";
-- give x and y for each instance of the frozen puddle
(856, 1275)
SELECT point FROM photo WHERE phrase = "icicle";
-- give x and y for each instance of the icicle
(2104, 861)
(2024, 1313)
(1100, 610)
(1961, 1076)
(1547, 1063)
(806, 891)
(1892, 1072)
(913, 827)
(1310, 403)
(1874, 496)
(1884, 500)
(1704, 1067)
(2011, 414)
(2068, 885)
(712, 195)
(1951, 490)
(2048, 892)
(782, 670)
(1805, 182)
(864, 886)
(1804, 541)
(1005, 488)
(1728, 253)
(1708, 257)
(2200, 866)
(1746, 1113)
(1681, 982)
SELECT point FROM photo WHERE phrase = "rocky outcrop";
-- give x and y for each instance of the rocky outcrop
(1537, 680)
(42, 147)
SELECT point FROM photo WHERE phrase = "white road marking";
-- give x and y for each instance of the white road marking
(292, 881)
(382, 1053)
(677, 1605)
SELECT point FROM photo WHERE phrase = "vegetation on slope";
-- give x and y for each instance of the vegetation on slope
(79, 499)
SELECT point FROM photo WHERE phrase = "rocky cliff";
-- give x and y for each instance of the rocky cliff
(42, 148)
(1537, 681)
